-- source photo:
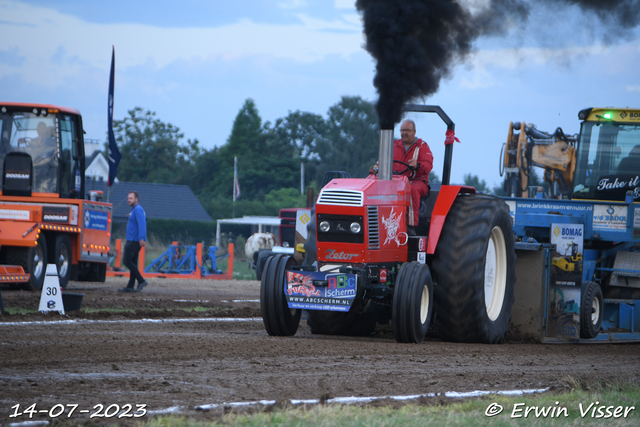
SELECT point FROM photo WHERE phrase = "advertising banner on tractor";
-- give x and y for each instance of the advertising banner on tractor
(17, 214)
(309, 290)
(96, 220)
(58, 214)
(610, 217)
(566, 280)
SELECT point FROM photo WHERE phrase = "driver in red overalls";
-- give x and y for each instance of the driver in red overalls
(417, 154)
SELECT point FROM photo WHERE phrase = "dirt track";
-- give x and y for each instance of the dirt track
(162, 355)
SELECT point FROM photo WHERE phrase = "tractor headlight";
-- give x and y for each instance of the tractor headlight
(324, 226)
(355, 227)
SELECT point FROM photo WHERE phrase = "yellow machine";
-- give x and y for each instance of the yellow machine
(570, 263)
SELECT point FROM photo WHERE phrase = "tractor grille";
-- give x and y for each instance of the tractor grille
(374, 228)
(340, 197)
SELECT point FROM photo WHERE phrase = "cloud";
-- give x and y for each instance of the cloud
(481, 65)
(40, 34)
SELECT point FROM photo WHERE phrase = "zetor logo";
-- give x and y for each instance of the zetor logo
(338, 256)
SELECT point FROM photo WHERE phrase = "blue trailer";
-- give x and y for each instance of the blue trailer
(578, 242)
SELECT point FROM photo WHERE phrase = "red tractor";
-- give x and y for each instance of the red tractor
(457, 273)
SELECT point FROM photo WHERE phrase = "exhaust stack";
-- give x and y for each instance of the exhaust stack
(385, 170)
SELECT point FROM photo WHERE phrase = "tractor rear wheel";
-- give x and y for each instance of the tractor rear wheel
(591, 306)
(412, 303)
(474, 267)
(278, 318)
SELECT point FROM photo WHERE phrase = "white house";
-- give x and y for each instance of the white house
(98, 167)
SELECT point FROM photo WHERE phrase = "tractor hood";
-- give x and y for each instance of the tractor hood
(366, 192)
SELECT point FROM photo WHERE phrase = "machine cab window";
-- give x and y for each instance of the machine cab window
(52, 142)
(608, 163)
(70, 158)
(34, 135)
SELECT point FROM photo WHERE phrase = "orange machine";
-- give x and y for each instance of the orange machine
(44, 217)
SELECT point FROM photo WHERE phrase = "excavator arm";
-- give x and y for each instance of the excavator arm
(526, 147)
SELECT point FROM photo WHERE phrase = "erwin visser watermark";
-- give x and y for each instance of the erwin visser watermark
(585, 410)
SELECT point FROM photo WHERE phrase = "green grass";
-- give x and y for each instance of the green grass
(449, 412)
(241, 268)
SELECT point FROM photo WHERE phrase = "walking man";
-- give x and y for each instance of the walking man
(136, 237)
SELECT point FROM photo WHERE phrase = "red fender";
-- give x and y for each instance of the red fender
(446, 197)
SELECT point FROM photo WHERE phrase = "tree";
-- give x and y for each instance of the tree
(267, 160)
(474, 181)
(534, 181)
(351, 139)
(286, 198)
(296, 137)
(299, 132)
(246, 141)
(152, 150)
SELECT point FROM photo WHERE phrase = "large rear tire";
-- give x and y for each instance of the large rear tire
(412, 303)
(474, 267)
(278, 318)
(591, 310)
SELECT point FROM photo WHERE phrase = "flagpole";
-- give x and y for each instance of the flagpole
(113, 154)
(235, 180)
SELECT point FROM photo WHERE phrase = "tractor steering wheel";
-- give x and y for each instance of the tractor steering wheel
(26, 141)
(408, 168)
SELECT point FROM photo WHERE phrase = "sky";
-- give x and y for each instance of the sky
(195, 62)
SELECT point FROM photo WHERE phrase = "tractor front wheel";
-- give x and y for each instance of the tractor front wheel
(278, 318)
(34, 261)
(474, 267)
(63, 259)
(412, 303)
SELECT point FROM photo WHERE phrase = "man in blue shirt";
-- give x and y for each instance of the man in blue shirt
(136, 236)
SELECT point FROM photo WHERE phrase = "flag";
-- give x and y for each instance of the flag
(236, 184)
(114, 153)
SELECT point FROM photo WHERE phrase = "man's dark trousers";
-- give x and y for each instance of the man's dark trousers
(130, 260)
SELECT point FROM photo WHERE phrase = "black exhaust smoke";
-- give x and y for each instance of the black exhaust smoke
(416, 43)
